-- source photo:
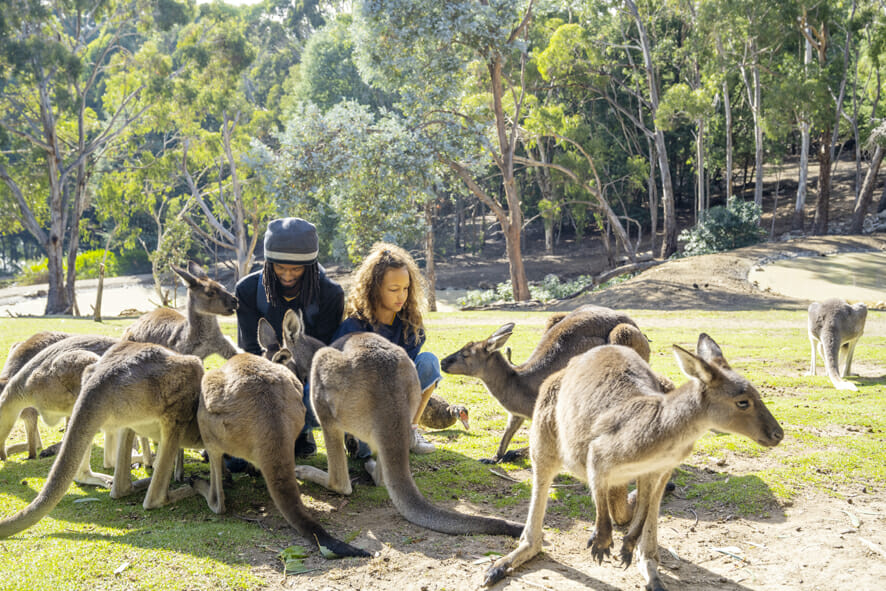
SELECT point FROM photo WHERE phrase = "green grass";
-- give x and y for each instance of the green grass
(833, 444)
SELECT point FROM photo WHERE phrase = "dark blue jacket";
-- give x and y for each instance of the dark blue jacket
(392, 332)
(322, 316)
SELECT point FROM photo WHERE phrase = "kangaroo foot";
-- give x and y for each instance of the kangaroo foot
(599, 546)
(492, 460)
(515, 454)
(337, 547)
(627, 553)
(50, 451)
(495, 573)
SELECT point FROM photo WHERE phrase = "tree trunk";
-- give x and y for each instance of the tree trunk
(430, 270)
(799, 220)
(669, 238)
(97, 309)
(727, 109)
(758, 139)
(823, 205)
(699, 163)
(863, 203)
(519, 283)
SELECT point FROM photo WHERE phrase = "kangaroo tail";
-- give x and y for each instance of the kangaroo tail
(283, 488)
(76, 443)
(418, 510)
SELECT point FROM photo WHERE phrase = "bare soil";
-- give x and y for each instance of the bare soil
(818, 542)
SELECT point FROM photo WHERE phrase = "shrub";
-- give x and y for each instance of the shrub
(724, 228)
(551, 288)
(86, 266)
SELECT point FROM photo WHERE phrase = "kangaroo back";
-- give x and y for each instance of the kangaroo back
(367, 386)
(252, 408)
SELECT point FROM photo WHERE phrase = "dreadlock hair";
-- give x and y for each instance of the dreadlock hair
(363, 297)
(310, 283)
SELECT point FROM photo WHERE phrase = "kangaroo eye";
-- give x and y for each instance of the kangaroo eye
(743, 404)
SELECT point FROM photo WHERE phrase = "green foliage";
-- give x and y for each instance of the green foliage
(550, 288)
(724, 228)
(86, 267)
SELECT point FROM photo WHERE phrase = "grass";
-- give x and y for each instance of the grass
(833, 444)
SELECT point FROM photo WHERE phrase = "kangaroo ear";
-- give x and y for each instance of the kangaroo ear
(196, 270)
(293, 326)
(497, 339)
(710, 351)
(267, 338)
(692, 366)
(283, 356)
(189, 279)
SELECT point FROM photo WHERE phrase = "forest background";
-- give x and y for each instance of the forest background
(145, 132)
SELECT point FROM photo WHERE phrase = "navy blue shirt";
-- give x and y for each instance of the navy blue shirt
(393, 332)
(322, 316)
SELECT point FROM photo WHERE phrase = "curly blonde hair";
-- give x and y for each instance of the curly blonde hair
(363, 296)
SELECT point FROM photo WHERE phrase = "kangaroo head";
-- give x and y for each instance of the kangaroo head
(298, 348)
(205, 295)
(471, 359)
(734, 404)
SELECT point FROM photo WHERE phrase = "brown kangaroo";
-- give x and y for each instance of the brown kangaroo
(516, 387)
(137, 387)
(50, 384)
(252, 408)
(834, 329)
(367, 386)
(197, 332)
(605, 419)
(19, 355)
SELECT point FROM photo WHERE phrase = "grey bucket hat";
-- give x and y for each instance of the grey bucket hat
(291, 241)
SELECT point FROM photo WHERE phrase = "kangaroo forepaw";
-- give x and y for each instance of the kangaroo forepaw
(627, 555)
(494, 574)
(599, 548)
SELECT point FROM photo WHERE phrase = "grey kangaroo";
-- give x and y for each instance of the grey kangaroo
(137, 387)
(834, 330)
(365, 385)
(50, 384)
(605, 419)
(197, 332)
(19, 355)
(516, 387)
(252, 408)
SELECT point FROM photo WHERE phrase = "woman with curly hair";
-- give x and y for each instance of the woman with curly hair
(387, 297)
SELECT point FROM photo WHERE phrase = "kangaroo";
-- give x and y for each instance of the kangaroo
(197, 332)
(516, 387)
(252, 408)
(367, 386)
(19, 354)
(50, 384)
(605, 419)
(834, 329)
(137, 387)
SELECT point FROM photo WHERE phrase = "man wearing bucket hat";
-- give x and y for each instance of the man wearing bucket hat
(291, 279)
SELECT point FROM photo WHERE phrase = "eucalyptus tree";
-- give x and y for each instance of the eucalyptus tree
(75, 75)
(362, 176)
(459, 68)
(216, 121)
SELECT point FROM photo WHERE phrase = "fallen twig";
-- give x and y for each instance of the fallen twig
(873, 546)
(503, 475)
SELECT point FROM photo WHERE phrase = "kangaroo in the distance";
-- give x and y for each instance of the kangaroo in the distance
(606, 420)
(252, 408)
(196, 333)
(516, 387)
(834, 330)
(367, 386)
(19, 355)
(138, 387)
